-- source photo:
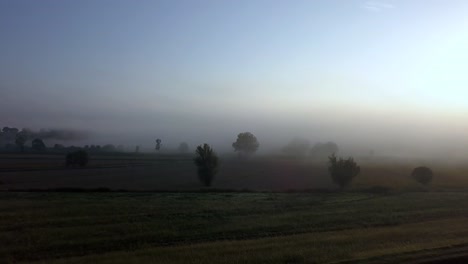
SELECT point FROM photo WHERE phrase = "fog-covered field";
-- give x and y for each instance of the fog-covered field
(178, 173)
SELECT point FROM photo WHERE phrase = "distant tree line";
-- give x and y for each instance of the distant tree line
(24, 140)
(342, 171)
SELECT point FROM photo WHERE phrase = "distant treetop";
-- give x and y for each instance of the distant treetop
(246, 142)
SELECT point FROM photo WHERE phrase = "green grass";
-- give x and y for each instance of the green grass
(199, 227)
(386, 244)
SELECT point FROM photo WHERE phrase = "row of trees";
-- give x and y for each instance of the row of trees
(342, 171)
(13, 136)
(245, 144)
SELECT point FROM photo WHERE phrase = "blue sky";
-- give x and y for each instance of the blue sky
(173, 66)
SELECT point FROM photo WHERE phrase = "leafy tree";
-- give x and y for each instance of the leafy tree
(21, 138)
(422, 174)
(342, 171)
(38, 145)
(297, 147)
(79, 157)
(207, 162)
(183, 147)
(323, 150)
(246, 142)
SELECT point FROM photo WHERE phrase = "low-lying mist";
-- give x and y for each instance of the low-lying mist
(356, 133)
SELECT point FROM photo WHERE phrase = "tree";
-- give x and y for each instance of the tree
(422, 174)
(207, 162)
(323, 150)
(8, 135)
(158, 144)
(38, 145)
(21, 138)
(297, 147)
(183, 147)
(342, 171)
(79, 157)
(246, 142)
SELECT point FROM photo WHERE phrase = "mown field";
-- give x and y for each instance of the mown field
(260, 210)
(231, 227)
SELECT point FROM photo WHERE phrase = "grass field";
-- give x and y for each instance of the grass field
(178, 172)
(228, 227)
(272, 210)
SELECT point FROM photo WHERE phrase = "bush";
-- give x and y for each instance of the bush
(207, 163)
(342, 171)
(79, 157)
(422, 175)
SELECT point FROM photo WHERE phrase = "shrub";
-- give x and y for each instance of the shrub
(79, 157)
(422, 175)
(207, 163)
(342, 171)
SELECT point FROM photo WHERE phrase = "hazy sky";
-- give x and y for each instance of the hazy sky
(195, 70)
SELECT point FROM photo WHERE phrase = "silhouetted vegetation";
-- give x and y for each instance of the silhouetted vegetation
(158, 144)
(207, 162)
(342, 170)
(8, 136)
(79, 157)
(20, 140)
(422, 175)
(38, 145)
(246, 143)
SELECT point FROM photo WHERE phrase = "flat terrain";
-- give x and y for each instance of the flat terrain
(260, 210)
(409, 227)
(178, 172)
(157, 172)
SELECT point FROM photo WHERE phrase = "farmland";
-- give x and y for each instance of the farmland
(228, 227)
(263, 210)
(177, 172)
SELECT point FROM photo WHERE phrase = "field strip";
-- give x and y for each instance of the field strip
(54, 168)
(373, 245)
(426, 256)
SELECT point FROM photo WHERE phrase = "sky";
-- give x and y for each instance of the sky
(385, 75)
